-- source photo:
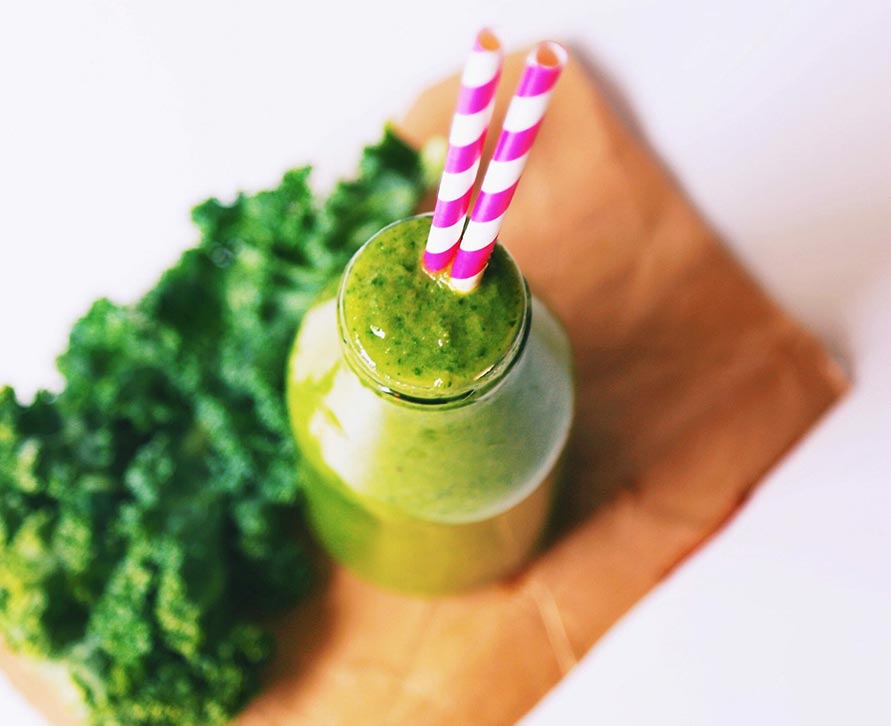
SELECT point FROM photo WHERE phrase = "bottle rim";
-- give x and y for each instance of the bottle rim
(424, 396)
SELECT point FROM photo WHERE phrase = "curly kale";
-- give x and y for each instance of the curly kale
(149, 512)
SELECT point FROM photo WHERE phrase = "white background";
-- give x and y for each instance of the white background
(115, 117)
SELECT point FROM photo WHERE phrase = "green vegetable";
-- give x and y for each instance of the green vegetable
(149, 513)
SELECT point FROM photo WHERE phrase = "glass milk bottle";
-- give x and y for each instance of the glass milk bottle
(431, 424)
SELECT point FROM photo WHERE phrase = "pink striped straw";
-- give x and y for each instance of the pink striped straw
(524, 115)
(466, 138)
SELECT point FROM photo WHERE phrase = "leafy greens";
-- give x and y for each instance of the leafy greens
(148, 511)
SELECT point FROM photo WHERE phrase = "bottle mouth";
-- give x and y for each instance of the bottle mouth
(402, 391)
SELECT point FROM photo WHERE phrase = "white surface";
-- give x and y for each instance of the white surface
(116, 116)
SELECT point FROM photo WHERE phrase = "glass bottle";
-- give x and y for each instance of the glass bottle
(418, 489)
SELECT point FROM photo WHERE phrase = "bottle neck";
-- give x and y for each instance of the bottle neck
(461, 392)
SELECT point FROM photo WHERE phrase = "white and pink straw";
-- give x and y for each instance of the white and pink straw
(524, 116)
(466, 139)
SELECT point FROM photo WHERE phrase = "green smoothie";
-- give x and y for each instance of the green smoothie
(412, 330)
(431, 423)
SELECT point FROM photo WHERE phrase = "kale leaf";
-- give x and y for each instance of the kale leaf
(150, 511)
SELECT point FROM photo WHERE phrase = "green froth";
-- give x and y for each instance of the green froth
(412, 329)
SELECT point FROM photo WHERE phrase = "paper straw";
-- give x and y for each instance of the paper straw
(524, 115)
(466, 138)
